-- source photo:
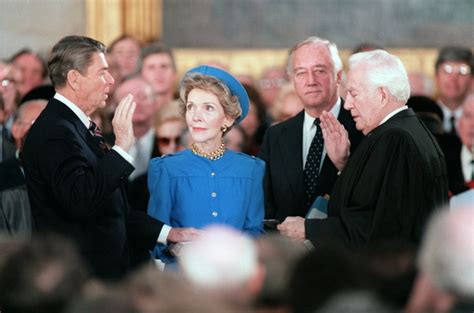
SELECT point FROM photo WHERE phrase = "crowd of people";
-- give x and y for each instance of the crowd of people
(125, 188)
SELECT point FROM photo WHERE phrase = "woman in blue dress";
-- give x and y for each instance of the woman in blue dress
(208, 184)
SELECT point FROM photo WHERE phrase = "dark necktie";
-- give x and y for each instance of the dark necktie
(311, 169)
(453, 125)
(97, 134)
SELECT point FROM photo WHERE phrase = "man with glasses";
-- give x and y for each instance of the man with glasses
(453, 78)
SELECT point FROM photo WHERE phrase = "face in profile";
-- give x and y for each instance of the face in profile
(362, 100)
(93, 87)
(205, 117)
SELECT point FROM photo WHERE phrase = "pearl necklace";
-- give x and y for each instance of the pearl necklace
(214, 155)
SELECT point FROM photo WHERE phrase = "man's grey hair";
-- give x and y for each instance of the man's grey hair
(18, 116)
(447, 251)
(384, 70)
(332, 48)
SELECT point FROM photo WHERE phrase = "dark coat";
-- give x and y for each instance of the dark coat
(282, 152)
(77, 190)
(388, 188)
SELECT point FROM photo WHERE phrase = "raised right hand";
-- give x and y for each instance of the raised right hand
(122, 123)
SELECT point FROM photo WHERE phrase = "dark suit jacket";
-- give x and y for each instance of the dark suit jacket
(282, 152)
(451, 146)
(388, 189)
(76, 190)
(15, 212)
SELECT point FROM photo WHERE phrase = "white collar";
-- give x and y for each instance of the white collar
(447, 112)
(309, 120)
(389, 115)
(80, 114)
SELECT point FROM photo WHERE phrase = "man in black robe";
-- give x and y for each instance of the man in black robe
(396, 177)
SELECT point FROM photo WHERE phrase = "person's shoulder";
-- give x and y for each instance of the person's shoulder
(246, 159)
(294, 121)
(170, 158)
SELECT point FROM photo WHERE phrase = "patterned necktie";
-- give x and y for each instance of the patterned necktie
(311, 170)
(97, 134)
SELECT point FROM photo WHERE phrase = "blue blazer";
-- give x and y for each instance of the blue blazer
(187, 190)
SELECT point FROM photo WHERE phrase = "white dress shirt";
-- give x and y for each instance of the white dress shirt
(309, 131)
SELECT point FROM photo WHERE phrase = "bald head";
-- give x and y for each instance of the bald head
(25, 117)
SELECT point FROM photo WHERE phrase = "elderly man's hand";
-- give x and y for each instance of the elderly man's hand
(183, 234)
(293, 227)
(122, 123)
(336, 140)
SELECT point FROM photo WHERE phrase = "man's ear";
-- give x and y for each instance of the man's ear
(16, 131)
(339, 77)
(384, 95)
(73, 79)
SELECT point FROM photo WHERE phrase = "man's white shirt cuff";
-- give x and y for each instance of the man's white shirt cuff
(123, 154)
(163, 237)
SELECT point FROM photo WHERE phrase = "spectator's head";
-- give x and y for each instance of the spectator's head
(329, 269)
(377, 84)
(315, 67)
(466, 122)
(78, 70)
(144, 97)
(366, 46)
(270, 83)
(278, 255)
(446, 262)
(454, 70)
(223, 262)
(25, 117)
(33, 69)
(157, 66)
(124, 52)
(170, 127)
(43, 275)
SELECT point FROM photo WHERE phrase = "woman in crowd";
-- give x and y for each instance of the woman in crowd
(208, 183)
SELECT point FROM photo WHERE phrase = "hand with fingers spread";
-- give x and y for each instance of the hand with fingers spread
(336, 140)
(122, 123)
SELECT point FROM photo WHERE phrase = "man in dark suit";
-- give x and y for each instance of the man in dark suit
(315, 68)
(74, 181)
(15, 212)
(459, 151)
(396, 177)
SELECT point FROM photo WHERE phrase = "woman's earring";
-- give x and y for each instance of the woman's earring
(224, 128)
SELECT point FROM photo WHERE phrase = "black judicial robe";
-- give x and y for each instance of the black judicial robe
(389, 187)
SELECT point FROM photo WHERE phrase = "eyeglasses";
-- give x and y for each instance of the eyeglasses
(462, 69)
(166, 141)
(6, 82)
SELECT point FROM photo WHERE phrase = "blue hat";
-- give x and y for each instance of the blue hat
(230, 81)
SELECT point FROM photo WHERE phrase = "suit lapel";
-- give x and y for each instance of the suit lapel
(71, 117)
(291, 143)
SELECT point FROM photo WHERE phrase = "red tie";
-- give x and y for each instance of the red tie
(97, 133)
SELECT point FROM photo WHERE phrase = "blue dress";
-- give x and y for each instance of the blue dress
(187, 190)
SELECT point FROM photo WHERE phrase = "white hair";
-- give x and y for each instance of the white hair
(332, 48)
(447, 251)
(384, 70)
(222, 258)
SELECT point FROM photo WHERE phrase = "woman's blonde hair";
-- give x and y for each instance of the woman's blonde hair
(230, 103)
